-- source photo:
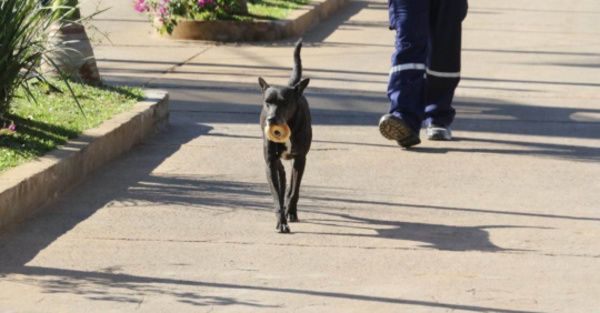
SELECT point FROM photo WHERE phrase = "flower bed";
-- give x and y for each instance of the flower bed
(234, 20)
(165, 14)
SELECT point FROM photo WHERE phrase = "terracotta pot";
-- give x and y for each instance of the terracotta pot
(231, 31)
(74, 56)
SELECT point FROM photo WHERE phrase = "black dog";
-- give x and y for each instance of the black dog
(285, 107)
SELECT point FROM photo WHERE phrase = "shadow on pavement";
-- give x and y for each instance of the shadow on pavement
(196, 104)
(435, 236)
(140, 185)
(21, 245)
(210, 103)
(137, 184)
(131, 185)
(451, 209)
(92, 284)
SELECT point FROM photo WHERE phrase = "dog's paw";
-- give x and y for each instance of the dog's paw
(292, 217)
(283, 228)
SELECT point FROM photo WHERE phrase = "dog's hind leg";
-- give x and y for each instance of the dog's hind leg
(293, 191)
(276, 178)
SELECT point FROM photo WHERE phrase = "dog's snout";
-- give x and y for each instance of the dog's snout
(272, 120)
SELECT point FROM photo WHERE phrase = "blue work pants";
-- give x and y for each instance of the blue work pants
(426, 64)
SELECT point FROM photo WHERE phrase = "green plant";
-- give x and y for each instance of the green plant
(23, 46)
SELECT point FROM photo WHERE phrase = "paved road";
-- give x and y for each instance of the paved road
(502, 219)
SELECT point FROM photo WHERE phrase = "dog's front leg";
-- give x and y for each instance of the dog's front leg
(276, 178)
(293, 192)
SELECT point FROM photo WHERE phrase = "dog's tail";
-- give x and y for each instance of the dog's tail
(297, 71)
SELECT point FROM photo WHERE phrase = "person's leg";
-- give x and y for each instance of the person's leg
(406, 87)
(443, 62)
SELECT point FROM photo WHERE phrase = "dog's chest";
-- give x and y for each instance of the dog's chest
(286, 153)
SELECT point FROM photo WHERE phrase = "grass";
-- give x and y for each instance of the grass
(260, 10)
(274, 9)
(56, 118)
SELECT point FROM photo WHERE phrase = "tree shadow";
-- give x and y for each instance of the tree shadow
(49, 225)
(138, 185)
(435, 236)
(134, 183)
(89, 283)
(118, 287)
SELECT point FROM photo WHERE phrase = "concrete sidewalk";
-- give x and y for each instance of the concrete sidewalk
(503, 219)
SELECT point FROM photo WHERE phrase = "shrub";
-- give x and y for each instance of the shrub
(23, 46)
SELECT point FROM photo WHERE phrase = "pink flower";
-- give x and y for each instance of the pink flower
(12, 127)
(205, 3)
(140, 7)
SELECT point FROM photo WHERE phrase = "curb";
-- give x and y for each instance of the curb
(26, 189)
(297, 23)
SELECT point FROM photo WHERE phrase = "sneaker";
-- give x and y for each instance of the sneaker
(394, 128)
(437, 132)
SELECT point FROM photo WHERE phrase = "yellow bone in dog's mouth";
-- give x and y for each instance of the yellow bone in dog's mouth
(278, 133)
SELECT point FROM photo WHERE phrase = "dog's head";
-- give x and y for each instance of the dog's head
(280, 103)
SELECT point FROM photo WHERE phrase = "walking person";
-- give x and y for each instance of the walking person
(425, 69)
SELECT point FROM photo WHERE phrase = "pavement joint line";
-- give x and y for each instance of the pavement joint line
(191, 45)
(534, 98)
(346, 115)
(220, 85)
(139, 304)
(288, 244)
(158, 85)
(535, 10)
(420, 206)
(151, 144)
(529, 31)
(585, 54)
(174, 67)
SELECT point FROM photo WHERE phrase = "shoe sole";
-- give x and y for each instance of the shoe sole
(438, 137)
(397, 130)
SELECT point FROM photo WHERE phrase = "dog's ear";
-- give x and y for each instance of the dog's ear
(301, 85)
(263, 84)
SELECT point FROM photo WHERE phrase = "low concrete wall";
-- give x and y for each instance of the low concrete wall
(298, 23)
(26, 189)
